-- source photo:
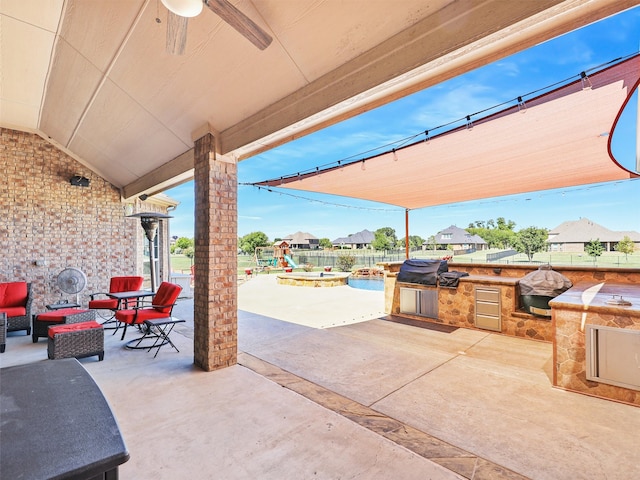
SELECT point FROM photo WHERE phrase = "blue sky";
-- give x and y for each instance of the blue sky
(613, 205)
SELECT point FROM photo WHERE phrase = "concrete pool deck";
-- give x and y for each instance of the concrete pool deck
(309, 306)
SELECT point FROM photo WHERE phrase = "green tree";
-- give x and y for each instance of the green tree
(431, 243)
(385, 238)
(594, 248)
(503, 238)
(184, 242)
(345, 262)
(415, 241)
(325, 243)
(250, 241)
(498, 234)
(505, 225)
(531, 240)
(626, 246)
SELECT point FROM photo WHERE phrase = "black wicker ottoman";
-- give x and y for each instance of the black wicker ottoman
(78, 340)
(42, 321)
(3, 331)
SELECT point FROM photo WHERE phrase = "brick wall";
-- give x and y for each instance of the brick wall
(46, 219)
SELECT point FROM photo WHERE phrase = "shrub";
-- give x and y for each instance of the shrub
(345, 262)
(308, 267)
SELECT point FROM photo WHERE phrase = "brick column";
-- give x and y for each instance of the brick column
(216, 226)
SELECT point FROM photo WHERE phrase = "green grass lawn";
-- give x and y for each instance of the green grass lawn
(607, 259)
(182, 264)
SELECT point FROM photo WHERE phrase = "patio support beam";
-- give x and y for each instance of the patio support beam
(431, 51)
(215, 292)
(406, 233)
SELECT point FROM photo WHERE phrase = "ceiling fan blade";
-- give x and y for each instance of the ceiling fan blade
(176, 33)
(240, 22)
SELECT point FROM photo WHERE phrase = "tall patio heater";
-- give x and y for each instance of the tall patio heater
(149, 222)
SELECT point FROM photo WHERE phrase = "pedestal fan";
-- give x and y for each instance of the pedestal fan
(72, 281)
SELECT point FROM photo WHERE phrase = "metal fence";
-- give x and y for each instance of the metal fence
(370, 258)
(330, 259)
(492, 257)
(573, 259)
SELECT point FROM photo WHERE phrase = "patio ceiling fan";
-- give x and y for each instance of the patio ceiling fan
(181, 10)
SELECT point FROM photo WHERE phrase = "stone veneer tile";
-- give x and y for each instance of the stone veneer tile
(425, 445)
(571, 354)
(374, 421)
(486, 470)
(465, 466)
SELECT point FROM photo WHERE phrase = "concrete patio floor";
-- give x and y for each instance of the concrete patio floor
(366, 398)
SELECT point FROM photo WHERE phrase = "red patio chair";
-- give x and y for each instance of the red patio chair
(117, 284)
(161, 307)
(15, 301)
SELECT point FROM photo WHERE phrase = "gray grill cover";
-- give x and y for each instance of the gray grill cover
(544, 282)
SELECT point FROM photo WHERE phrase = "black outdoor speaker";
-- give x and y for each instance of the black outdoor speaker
(79, 181)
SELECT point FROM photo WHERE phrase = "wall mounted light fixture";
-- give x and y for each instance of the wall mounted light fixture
(79, 181)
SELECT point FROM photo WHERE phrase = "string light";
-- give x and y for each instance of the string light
(586, 82)
(300, 197)
(522, 107)
(395, 155)
(469, 123)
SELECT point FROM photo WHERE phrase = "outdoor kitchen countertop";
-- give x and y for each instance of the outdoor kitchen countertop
(595, 297)
(491, 279)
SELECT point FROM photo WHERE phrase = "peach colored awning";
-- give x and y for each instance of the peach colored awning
(562, 140)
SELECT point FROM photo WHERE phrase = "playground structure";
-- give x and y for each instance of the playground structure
(277, 255)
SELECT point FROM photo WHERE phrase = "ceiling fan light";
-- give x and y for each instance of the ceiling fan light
(184, 8)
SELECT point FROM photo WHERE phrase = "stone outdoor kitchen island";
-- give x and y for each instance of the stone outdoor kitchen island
(596, 347)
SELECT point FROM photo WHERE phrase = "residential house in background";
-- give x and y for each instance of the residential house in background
(362, 239)
(302, 240)
(457, 238)
(572, 236)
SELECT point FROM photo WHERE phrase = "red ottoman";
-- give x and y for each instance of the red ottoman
(78, 340)
(42, 321)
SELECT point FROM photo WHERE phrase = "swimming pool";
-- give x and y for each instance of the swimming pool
(366, 283)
